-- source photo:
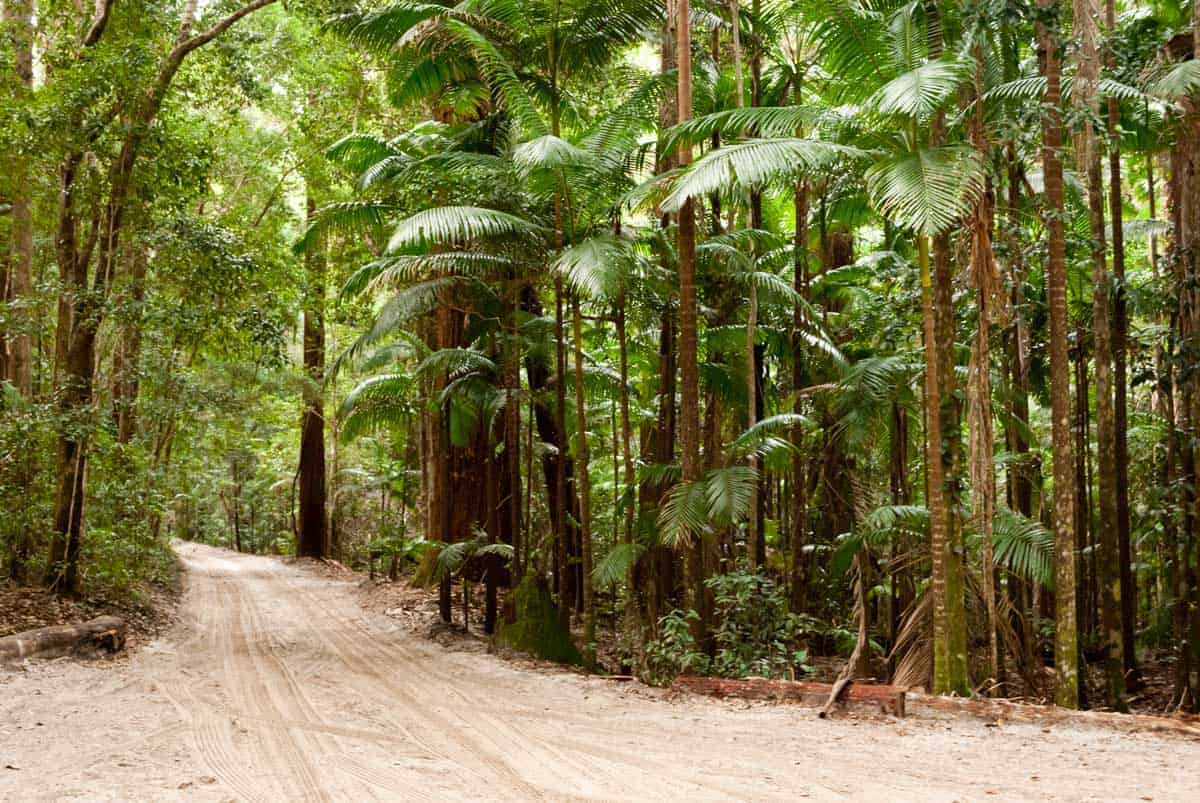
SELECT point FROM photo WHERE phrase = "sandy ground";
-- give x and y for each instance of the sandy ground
(277, 686)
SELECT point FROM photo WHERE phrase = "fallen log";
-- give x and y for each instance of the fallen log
(104, 633)
(853, 697)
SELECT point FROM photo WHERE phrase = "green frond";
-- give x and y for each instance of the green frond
(756, 435)
(920, 92)
(728, 491)
(684, 514)
(1023, 546)
(499, 74)
(456, 225)
(376, 404)
(759, 121)
(345, 218)
(1178, 83)
(392, 271)
(549, 152)
(597, 267)
(612, 568)
(454, 363)
(752, 165)
(929, 190)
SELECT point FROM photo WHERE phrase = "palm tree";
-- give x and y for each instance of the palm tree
(1066, 642)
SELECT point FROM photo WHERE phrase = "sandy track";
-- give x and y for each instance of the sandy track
(276, 686)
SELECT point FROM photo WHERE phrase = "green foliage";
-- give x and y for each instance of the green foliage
(757, 633)
(674, 653)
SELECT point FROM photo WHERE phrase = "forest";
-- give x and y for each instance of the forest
(743, 338)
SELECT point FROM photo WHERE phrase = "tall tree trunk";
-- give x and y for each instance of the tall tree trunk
(627, 498)
(585, 490)
(800, 282)
(979, 418)
(19, 19)
(313, 523)
(1088, 153)
(689, 397)
(1120, 326)
(562, 533)
(512, 429)
(1066, 642)
(950, 673)
(127, 353)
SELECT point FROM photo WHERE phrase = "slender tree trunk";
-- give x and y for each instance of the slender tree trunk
(19, 19)
(1108, 578)
(689, 404)
(566, 580)
(950, 674)
(512, 430)
(1120, 326)
(982, 436)
(627, 499)
(1066, 642)
(585, 491)
(313, 541)
(127, 354)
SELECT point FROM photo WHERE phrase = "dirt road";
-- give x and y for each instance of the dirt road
(277, 686)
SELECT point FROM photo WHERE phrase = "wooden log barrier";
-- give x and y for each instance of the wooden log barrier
(855, 697)
(104, 633)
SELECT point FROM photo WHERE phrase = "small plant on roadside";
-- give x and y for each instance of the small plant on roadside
(674, 653)
(756, 635)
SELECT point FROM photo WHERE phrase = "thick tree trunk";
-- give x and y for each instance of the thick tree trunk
(313, 539)
(944, 441)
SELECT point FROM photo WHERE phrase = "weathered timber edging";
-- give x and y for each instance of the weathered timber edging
(105, 633)
(855, 697)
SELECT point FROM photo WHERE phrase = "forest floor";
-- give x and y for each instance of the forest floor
(275, 684)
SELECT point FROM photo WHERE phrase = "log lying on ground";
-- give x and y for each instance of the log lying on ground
(854, 697)
(104, 633)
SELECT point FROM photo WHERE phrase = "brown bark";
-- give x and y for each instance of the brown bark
(105, 633)
(689, 379)
(1120, 326)
(1066, 645)
(127, 354)
(313, 539)
(19, 16)
(982, 436)
(585, 491)
(1088, 152)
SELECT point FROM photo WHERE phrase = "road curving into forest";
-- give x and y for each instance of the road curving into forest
(276, 686)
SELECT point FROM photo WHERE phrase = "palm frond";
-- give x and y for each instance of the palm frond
(751, 165)
(456, 224)
(928, 190)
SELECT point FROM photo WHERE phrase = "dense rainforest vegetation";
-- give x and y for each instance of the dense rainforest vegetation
(708, 337)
